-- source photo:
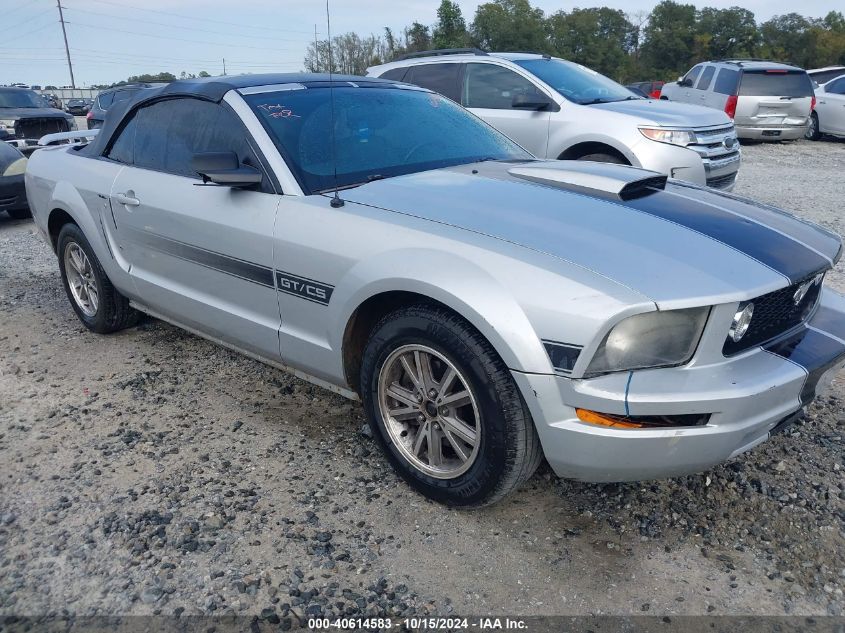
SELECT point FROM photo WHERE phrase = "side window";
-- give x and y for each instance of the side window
(727, 81)
(123, 148)
(706, 76)
(122, 95)
(692, 75)
(395, 74)
(494, 87)
(836, 87)
(442, 78)
(170, 132)
(105, 100)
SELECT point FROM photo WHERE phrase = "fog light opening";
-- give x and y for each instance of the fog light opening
(613, 421)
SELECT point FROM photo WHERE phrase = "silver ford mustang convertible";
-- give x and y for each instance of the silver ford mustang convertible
(488, 308)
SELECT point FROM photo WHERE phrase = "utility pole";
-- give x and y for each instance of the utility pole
(224, 66)
(316, 52)
(67, 50)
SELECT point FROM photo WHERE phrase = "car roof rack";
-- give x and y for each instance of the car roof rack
(443, 51)
(739, 61)
(543, 55)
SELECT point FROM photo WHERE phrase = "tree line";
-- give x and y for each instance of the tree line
(661, 44)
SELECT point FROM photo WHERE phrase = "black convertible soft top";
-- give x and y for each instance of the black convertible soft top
(211, 89)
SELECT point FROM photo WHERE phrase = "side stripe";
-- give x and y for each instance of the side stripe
(813, 351)
(262, 275)
(781, 253)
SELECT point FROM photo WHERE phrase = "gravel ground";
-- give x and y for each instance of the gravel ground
(151, 472)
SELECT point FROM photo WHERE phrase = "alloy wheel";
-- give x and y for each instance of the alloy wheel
(81, 280)
(429, 411)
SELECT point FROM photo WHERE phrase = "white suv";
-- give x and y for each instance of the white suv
(557, 109)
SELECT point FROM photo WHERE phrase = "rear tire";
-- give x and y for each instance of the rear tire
(19, 214)
(604, 158)
(430, 341)
(97, 303)
(813, 133)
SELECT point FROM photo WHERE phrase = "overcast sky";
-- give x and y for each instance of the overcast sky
(112, 39)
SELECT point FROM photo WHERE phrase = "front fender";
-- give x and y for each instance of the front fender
(563, 143)
(454, 281)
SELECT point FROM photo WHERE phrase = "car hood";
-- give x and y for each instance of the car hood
(681, 246)
(667, 113)
(29, 113)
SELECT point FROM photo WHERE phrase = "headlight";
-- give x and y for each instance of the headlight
(651, 339)
(674, 137)
(7, 124)
(16, 168)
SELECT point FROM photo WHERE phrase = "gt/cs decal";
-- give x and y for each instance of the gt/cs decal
(304, 288)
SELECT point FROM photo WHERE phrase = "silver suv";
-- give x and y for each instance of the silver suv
(557, 109)
(768, 101)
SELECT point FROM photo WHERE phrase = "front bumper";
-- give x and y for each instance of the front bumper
(12, 193)
(747, 397)
(709, 165)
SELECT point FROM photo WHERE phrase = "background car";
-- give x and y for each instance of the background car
(26, 116)
(824, 75)
(53, 100)
(650, 89)
(79, 107)
(558, 109)
(829, 114)
(768, 101)
(97, 113)
(12, 191)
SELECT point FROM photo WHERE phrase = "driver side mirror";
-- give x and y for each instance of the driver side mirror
(530, 102)
(224, 168)
(684, 83)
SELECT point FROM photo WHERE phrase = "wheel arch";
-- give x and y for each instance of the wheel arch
(477, 298)
(585, 148)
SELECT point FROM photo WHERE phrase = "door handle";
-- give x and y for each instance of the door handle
(129, 201)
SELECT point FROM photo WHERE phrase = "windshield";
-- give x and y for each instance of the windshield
(380, 132)
(20, 99)
(575, 82)
(775, 83)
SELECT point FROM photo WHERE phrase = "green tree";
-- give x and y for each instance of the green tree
(599, 38)
(149, 78)
(790, 37)
(725, 33)
(451, 28)
(509, 25)
(669, 39)
(203, 73)
(417, 38)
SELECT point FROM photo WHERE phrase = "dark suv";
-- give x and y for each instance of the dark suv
(25, 117)
(97, 114)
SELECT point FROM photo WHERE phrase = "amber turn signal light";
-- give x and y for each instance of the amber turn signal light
(605, 419)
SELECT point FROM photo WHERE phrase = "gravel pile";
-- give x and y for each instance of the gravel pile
(151, 472)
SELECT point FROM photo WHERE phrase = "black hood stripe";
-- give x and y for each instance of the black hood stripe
(814, 352)
(781, 253)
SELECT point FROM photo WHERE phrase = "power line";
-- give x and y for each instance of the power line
(194, 18)
(172, 26)
(20, 35)
(30, 19)
(180, 39)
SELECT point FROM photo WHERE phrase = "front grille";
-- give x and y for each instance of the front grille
(38, 127)
(774, 314)
(722, 182)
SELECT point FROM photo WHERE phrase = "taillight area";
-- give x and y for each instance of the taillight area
(730, 106)
(90, 115)
(813, 103)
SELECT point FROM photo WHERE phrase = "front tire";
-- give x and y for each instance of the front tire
(97, 303)
(445, 408)
(813, 133)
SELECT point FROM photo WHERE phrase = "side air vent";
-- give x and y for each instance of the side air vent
(619, 181)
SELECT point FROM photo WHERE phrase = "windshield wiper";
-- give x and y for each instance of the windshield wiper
(352, 185)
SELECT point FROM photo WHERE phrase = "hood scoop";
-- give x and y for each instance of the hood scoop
(617, 181)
